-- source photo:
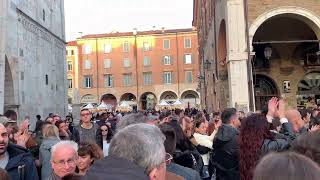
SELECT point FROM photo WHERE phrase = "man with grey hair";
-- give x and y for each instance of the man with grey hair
(64, 156)
(129, 119)
(140, 144)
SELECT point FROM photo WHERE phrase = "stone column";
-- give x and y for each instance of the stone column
(237, 55)
(76, 106)
(3, 11)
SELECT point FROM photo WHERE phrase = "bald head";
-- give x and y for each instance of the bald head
(294, 117)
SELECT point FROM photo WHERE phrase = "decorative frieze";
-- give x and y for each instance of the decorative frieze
(34, 27)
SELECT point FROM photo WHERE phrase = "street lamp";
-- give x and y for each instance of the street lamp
(268, 52)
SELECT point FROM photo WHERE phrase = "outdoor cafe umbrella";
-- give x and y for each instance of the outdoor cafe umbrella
(88, 106)
(164, 103)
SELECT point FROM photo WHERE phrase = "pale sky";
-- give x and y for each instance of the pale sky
(104, 16)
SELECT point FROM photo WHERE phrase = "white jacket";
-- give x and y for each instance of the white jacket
(207, 141)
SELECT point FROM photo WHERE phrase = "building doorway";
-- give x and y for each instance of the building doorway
(264, 89)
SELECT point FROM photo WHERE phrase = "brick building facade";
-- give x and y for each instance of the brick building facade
(141, 68)
(257, 49)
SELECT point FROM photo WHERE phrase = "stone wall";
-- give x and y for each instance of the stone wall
(258, 7)
(35, 49)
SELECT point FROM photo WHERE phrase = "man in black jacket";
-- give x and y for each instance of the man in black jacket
(226, 147)
(16, 160)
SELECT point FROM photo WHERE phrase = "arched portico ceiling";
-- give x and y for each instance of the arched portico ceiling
(189, 94)
(302, 14)
(88, 98)
(148, 95)
(310, 83)
(169, 95)
(128, 97)
(108, 96)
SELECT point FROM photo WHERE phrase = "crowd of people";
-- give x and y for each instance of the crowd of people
(276, 143)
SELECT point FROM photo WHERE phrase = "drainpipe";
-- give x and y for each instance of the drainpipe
(215, 54)
(136, 61)
(249, 63)
(177, 49)
(97, 62)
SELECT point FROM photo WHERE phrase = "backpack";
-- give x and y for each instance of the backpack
(190, 159)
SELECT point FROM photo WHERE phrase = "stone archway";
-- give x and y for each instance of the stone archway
(312, 19)
(264, 88)
(148, 101)
(130, 99)
(190, 98)
(222, 68)
(8, 88)
(109, 99)
(88, 98)
(169, 96)
(292, 49)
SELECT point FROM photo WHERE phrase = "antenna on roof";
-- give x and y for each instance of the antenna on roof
(135, 31)
(162, 29)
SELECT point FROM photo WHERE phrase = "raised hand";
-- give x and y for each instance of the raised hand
(281, 109)
(273, 107)
(315, 128)
(24, 126)
(23, 138)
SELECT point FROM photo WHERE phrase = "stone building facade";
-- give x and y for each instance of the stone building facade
(32, 57)
(141, 68)
(263, 48)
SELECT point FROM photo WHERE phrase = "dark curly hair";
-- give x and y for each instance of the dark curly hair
(254, 130)
(92, 149)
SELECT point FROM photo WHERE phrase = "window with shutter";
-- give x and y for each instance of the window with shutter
(126, 62)
(147, 78)
(166, 44)
(107, 63)
(146, 61)
(187, 59)
(167, 60)
(107, 48)
(87, 64)
(187, 43)
(86, 49)
(167, 77)
(108, 80)
(88, 81)
(188, 76)
(126, 46)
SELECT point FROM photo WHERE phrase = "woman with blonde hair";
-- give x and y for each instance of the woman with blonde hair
(50, 137)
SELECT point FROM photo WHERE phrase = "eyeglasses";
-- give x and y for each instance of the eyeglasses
(63, 162)
(86, 114)
(168, 159)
